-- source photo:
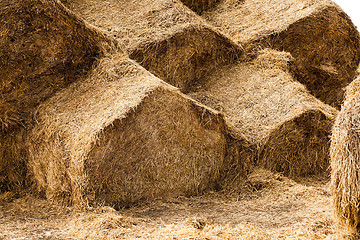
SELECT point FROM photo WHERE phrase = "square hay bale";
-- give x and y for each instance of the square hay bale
(263, 104)
(43, 48)
(345, 161)
(164, 36)
(122, 135)
(318, 34)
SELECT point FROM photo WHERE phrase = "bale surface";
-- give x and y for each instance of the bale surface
(43, 48)
(318, 34)
(345, 160)
(164, 36)
(262, 103)
(121, 136)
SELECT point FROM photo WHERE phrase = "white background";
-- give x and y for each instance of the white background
(352, 8)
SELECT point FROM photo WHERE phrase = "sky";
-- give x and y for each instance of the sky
(352, 8)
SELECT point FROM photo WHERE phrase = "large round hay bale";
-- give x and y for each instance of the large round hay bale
(318, 34)
(43, 48)
(164, 36)
(122, 135)
(345, 160)
(262, 103)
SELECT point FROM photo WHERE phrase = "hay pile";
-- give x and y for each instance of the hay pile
(43, 48)
(164, 36)
(318, 34)
(265, 105)
(345, 160)
(122, 135)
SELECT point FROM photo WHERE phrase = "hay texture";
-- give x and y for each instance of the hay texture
(164, 36)
(263, 104)
(345, 160)
(318, 34)
(122, 135)
(43, 48)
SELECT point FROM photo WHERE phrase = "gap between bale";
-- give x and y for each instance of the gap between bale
(13, 160)
(200, 6)
(121, 135)
(318, 34)
(263, 104)
(164, 36)
(345, 160)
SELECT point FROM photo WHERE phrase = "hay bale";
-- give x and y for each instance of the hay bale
(164, 36)
(263, 104)
(43, 48)
(122, 135)
(318, 34)
(345, 159)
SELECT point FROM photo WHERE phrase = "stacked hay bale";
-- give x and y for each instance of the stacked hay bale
(318, 34)
(164, 36)
(105, 129)
(345, 160)
(43, 48)
(122, 135)
(265, 105)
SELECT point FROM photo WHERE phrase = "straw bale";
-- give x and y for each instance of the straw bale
(164, 36)
(43, 48)
(122, 135)
(345, 159)
(318, 34)
(263, 104)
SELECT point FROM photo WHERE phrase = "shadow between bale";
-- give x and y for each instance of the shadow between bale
(13, 158)
(200, 6)
(187, 56)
